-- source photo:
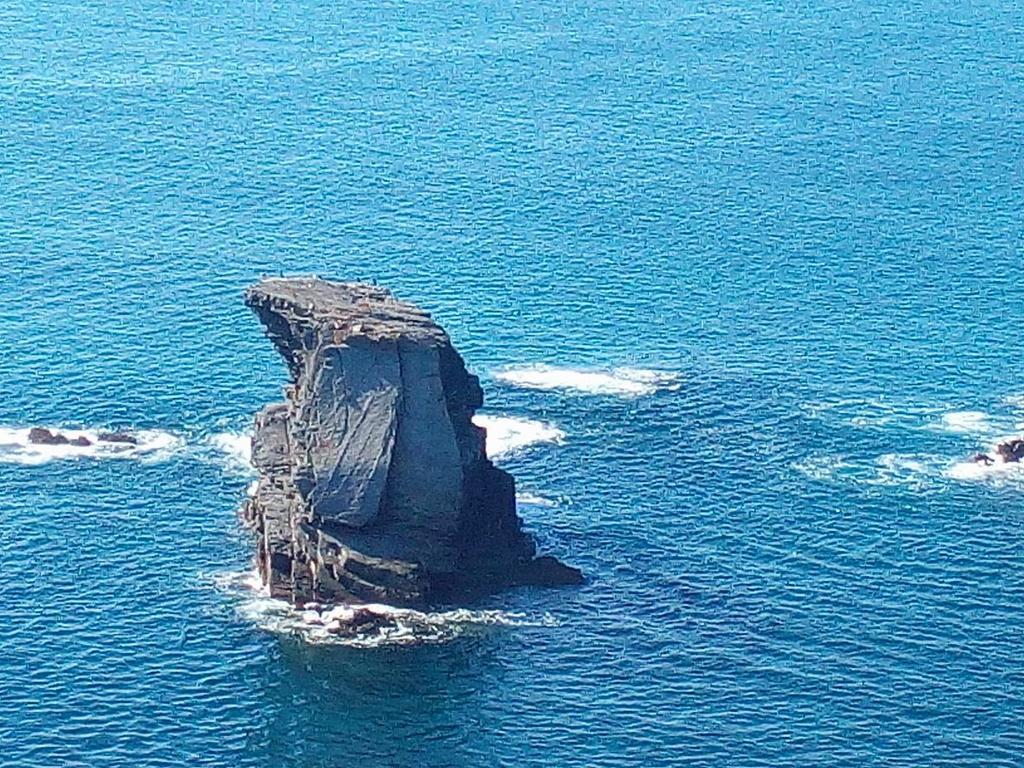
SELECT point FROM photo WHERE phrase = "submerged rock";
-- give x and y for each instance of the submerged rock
(375, 484)
(117, 437)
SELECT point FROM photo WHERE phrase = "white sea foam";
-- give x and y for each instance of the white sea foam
(976, 471)
(917, 471)
(507, 435)
(333, 625)
(997, 471)
(236, 450)
(624, 382)
(1014, 401)
(966, 422)
(871, 413)
(890, 469)
(153, 445)
(821, 467)
(881, 414)
(902, 469)
(533, 500)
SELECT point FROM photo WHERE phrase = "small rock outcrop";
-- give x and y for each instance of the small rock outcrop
(1011, 451)
(375, 486)
(1008, 452)
(43, 436)
(118, 437)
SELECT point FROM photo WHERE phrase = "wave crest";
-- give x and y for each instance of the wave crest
(235, 448)
(623, 382)
(507, 435)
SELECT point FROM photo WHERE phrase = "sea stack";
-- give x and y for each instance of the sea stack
(375, 486)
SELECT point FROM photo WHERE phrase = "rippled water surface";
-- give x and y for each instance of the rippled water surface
(743, 283)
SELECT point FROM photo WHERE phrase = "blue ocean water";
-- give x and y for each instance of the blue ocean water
(798, 228)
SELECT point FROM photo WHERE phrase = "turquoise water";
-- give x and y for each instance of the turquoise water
(804, 218)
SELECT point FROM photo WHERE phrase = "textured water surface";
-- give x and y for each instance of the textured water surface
(743, 284)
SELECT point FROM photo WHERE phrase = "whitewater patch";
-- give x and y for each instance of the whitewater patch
(977, 423)
(507, 435)
(821, 467)
(622, 382)
(914, 470)
(966, 421)
(337, 625)
(234, 449)
(998, 472)
(871, 413)
(153, 445)
(533, 500)
(868, 413)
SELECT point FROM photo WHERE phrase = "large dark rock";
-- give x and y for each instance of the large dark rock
(42, 436)
(375, 484)
(1011, 450)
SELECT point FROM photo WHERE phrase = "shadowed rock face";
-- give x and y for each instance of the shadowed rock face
(374, 483)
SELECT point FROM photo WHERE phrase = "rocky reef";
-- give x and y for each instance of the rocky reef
(44, 436)
(375, 486)
(1008, 452)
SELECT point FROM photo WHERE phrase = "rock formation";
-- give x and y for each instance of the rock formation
(375, 485)
(44, 436)
(1009, 452)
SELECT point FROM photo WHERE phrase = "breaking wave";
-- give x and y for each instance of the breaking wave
(980, 427)
(917, 471)
(890, 469)
(235, 448)
(153, 445)
(624, 382)
(998, 471)
(966, 422)
(881, 414)
(338, 625)
(533, 500)
(507, 435)
(821, 467)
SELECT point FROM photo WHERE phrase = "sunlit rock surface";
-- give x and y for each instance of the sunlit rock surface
(375, 485)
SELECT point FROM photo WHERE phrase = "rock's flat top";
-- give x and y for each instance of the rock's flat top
(349, 309)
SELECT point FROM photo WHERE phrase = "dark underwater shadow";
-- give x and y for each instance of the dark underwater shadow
(331, 705)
